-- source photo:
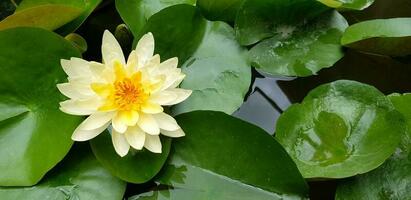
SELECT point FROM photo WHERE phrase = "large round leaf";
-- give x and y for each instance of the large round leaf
(393, 179)
(222, 157)
(215, 65)
(219, 10)
(382, 36)
(259, 19)
(302, 50)
(340, 129)
(348, 4)
(34, 133)
(136, 166)
(48, 14)
(136, 12)
(79, 176)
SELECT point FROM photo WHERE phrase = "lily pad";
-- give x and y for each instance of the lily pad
(302, 50)
(219, 10)
(348, 4)
(135, 13)
(336, 131)
(215, 65)
(47, 14)
(205, 164)
(34, 133)
(381, 36)
(79, 176)
(136, 166)
(392, 180)
(260, 19)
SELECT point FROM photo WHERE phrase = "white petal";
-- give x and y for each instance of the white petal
(169, 64)
(80, 107)
(176, 133)
(75, 67)
(84, 135)
(132, 62)
(111, 50)
(75, 91)
(145, 48)
(120, 143)
(135, 137)
(148, 124)
(153, 143)
(182, 95)
(163, 97)
(166, 122)
(119, 124)
(177, 81)
(96, 120)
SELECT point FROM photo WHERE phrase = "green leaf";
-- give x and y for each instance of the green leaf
(382, 36)
(392, 180)
(47, 14)
(260, 19)
(34, 133)
(79, 176)
(302, 50)
(348, 4)
(222, 157)
(215, 65)
(135, 13)
(136, 166)
(72, 26)
(219, 10)
(337, 130)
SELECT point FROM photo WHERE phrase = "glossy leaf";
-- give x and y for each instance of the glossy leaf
(336, 131)
(348, 4)
(79, 176)
(260, 19)
(47, 14)
(392, 180)
(135, 13)
(136, 166)
(34, 133)
(382, 36)
(222, 157)
(219, 10)
(302, 50)
(215, 65)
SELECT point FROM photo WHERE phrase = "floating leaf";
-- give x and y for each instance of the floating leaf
(47, 14)
(348, 4)
(336, 131)
(34, 133)
(136, 166)
(381, 36)
(260, 19)
(392, 180)
(135, 13)
(219, 10)
(302, 50)
(79, 176)
(222, 157)
(215, 65)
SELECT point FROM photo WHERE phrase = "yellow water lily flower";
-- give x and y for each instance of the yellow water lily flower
(126, 96)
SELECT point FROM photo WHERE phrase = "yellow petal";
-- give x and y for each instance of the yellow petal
(120, 143)
(119, 70)
(151, 107)
(102, 89)
(153, 143)
(135, 137)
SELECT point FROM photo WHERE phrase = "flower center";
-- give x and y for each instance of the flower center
(129, 94)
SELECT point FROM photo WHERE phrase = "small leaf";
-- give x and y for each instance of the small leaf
(136, 166)
(301, 50)
(382, 36)
(34, 133)
(77, 41)
(223, 158)
(336, 131)
(79, 176)
(392, 180)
